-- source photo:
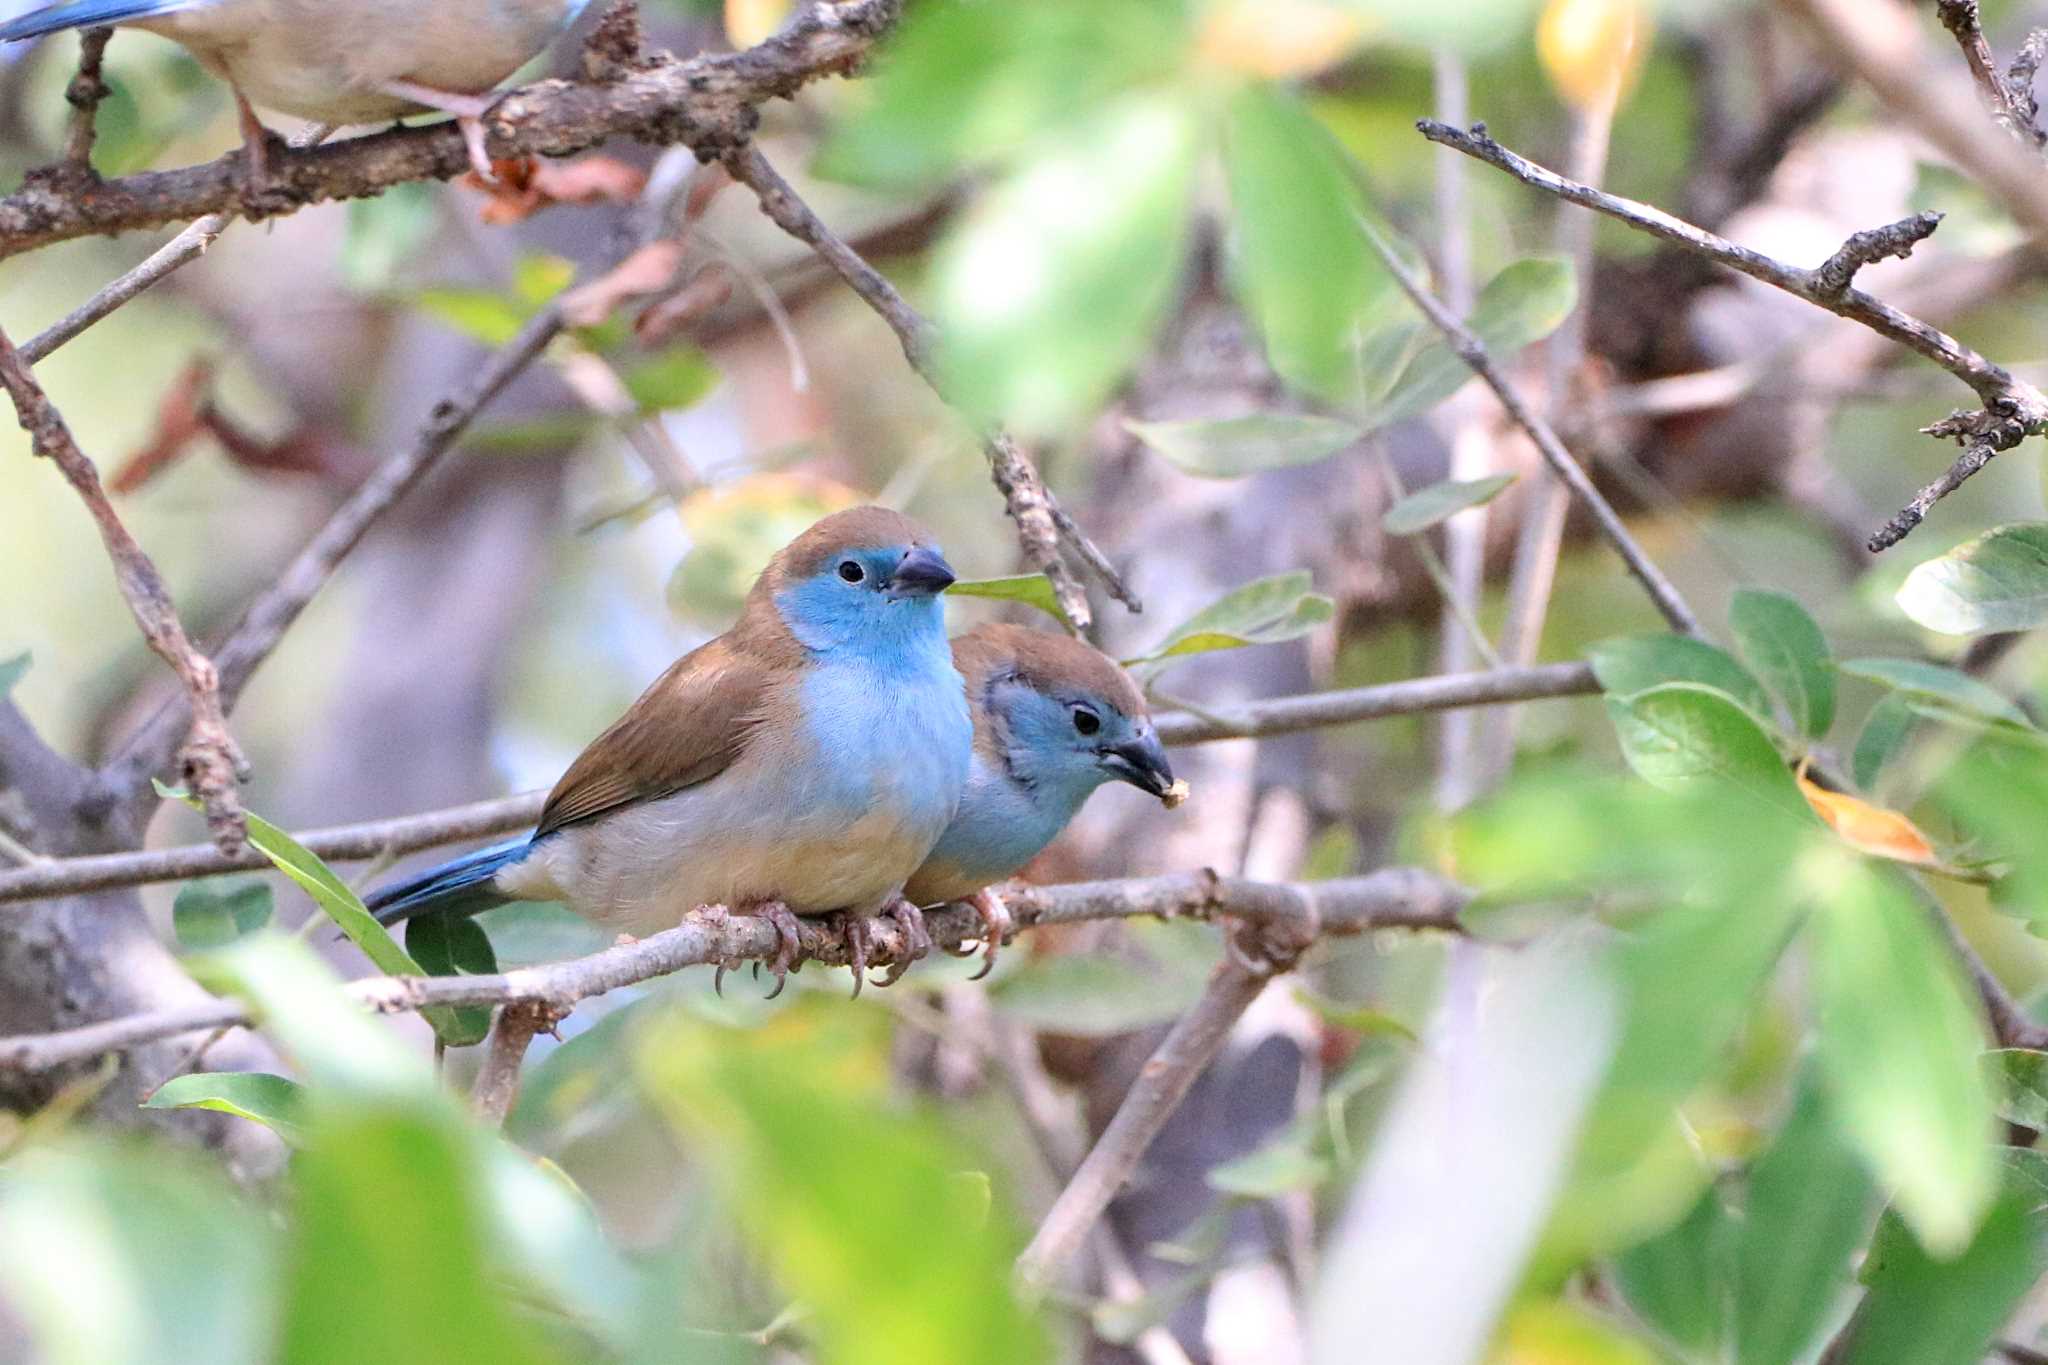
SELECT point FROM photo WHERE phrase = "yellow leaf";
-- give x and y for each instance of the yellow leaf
(748, 22)
(1275, 39)
(1554, 1333)
(1591, 49)
(1867, 828)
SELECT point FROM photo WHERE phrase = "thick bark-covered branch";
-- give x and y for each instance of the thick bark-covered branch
(708, 102)
(410, 833)
(1395, 898)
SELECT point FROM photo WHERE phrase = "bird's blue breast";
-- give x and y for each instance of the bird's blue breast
(1003, 823)
(890, 729)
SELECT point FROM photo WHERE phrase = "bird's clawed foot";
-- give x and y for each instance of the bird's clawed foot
(260, 188)
(469, 111)
(917, 940)
(996, 926)
(855, 927)
(789, 947)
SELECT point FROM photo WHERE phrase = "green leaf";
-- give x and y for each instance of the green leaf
(1810, 1207)
(388, 1260)
(1032, 589)
(1093, 995)
(549, 435)
(1054, 282)
(677, 378)
(1472, 27)
(12, 671)
(1304, 271)
(1681, 1281)
(1995, 582)
(1426, 507)
(273, 1101)
(1630, 664)
(1521, 305)
(1780, 641)
(338, 1047)
(538, 276)
(1682, 734)
(212, 913)
(1937, 683)
(835, 1183)
(1287, 1163)
(1006, 76)
(478, 314)
(450, 945)
(1899, 1037)
(343, 906)
(2019, 1085)
(1926, 1310)
(1885, 731)
(1236, 446)
(133, 1255)
(1263, 611)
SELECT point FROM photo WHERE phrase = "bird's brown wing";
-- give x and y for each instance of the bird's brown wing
(687, 727)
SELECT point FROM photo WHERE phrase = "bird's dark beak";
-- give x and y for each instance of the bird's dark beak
(1140, 762)
(922, 573)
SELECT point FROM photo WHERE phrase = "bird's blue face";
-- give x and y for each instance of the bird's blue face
(870, 597)
(1070, 741)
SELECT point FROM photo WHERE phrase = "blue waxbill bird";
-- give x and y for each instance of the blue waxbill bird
(802, 763)
(1053, 720)
(339, 62)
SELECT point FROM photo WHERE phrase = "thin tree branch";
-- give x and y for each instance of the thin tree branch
(187, 246)
(1041, 525)
(496, 1087)
(410, 833)
(2013, 409)
(1473, 352)
(1395, 898)
(1190, 1045)
(207, 756)
(707, 102)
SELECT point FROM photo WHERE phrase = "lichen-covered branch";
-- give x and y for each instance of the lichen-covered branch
(1395, 898)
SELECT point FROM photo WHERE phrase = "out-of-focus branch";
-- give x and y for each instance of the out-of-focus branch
(2013, 409)
(410, 833)
(1190, 1045)
(263, 625)
(1405, 898)
(207, 756)
(1473, 352)
(88, 87)
(1963, 21)
(1041, 525)
(708, 102)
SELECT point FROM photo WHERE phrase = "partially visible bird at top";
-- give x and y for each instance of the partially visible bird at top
(339, 62)
(1053, 720)
(802, 763)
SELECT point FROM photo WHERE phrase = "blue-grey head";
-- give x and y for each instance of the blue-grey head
(867, 578)
(1059, 715)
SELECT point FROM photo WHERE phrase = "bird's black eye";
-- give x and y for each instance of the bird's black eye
(851, 571)
(1086, 721)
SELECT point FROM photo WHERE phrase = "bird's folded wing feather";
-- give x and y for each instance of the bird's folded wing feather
(686, 728)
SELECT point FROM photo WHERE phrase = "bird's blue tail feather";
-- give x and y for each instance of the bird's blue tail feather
(86, 14)
(461, 887)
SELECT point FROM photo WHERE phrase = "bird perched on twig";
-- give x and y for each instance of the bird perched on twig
(802, 763)
(339, 62)
(1053, 720)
